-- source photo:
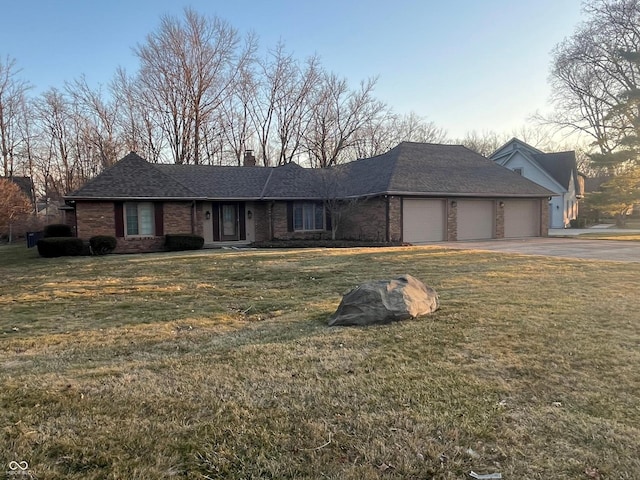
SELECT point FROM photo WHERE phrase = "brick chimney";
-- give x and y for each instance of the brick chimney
(249, 159)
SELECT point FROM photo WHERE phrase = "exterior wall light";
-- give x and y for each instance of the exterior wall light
(207, 215)
(454, 203)
(249, 214)
(501, 204)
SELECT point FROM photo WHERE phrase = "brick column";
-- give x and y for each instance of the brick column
(499, 227)
(452, 220)
(544, 217)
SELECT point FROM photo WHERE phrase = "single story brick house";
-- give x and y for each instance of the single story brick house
(414, 193)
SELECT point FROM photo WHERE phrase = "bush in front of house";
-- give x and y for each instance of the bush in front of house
(57, 230)
(183, 241)
(102, 244)
(60, 246)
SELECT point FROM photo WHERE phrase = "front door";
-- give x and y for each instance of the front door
(228, 222)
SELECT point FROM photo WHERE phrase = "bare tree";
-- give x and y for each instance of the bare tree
(484, 143)
(55, 116)
(138, 124)
(338, 115)
(337, 204)
(188, 68)
(281, 104)
(235, 119)
(12, 99)
(99, 118)
(387, 130)
(293, 109)
(593, 72)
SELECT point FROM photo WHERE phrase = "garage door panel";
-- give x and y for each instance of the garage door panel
(423, 220)
(521, 218)
(475, 219)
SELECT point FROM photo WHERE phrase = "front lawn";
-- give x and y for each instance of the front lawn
(219, 365)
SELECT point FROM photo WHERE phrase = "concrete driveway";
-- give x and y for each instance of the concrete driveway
(612, 250)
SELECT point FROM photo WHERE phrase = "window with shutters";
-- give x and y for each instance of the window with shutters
(139, 219)
(308, 216)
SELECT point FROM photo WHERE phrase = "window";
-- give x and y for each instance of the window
(518, 170)
(139, 219)
(308, 216)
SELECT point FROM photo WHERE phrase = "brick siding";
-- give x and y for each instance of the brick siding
(452, 220)
(95, 218)
(395, 219)
(98, 218)
(499, 216)
(262, 221)
(544, 218)
(177, 217)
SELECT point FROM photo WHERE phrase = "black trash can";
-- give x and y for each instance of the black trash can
(32, 238)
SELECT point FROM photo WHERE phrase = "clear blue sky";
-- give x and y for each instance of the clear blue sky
(463, 64)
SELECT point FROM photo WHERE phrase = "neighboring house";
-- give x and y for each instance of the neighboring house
(554, 171)
(26, 186)
(414, 193)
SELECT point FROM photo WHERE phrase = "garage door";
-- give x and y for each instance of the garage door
(521, 218)
(475, 219)
(423, 220)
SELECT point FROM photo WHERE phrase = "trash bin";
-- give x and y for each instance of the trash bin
(32, 238)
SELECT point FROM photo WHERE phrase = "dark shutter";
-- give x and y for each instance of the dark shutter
(118, 213)
(289, 216)
(216, 222)
(327, 216)
(159, 218)
(242, 221)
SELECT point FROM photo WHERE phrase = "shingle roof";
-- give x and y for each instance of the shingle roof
(410, 168)
(133, 177)
(433, 169)
(559, 165)
(215, 182)
(292, 181)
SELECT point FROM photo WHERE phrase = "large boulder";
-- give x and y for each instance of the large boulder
(385, 301)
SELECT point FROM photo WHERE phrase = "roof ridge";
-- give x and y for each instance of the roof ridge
(394, 159)
(266, 183)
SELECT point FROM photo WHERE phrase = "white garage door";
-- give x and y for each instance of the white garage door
(475, 219)
(521, 218)
(423, 220)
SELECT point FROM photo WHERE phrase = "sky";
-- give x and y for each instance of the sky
(466, 65)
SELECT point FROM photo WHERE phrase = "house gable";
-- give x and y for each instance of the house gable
(511, 146)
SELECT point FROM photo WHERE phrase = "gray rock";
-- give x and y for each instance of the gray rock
(385, 301)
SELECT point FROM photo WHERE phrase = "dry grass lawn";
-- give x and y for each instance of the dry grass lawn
(219, 365)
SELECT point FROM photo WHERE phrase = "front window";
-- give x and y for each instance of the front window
(139, 219)
(308, 216)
